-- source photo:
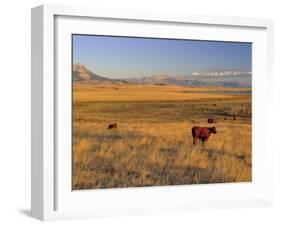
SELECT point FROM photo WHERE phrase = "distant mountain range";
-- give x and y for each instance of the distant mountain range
(82, 74)
(207, 79)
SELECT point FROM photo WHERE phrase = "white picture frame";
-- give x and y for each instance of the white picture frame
(52, 197)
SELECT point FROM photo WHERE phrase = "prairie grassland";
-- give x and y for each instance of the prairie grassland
(85, 92)
(153, 144)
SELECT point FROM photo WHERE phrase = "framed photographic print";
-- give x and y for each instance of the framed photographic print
(137, 112)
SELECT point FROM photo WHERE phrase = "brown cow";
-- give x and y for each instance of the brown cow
(202, 133)
(112, 126)
(212, 120)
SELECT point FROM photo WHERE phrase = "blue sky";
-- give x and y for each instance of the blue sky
(120, 57)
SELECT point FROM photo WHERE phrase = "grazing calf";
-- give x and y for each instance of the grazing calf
(112, 126)
(202, 133)
(211, 120)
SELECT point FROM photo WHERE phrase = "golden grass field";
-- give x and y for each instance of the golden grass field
(153, 143)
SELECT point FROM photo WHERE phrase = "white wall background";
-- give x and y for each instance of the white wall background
(15, 112)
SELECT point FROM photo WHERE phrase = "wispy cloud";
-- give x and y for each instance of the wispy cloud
(221, 73)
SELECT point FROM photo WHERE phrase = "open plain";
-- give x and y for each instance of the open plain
(152, 144)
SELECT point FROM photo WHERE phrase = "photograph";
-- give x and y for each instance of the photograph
(150, 111)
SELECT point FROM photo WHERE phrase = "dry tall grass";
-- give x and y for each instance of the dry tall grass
(153, 144)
